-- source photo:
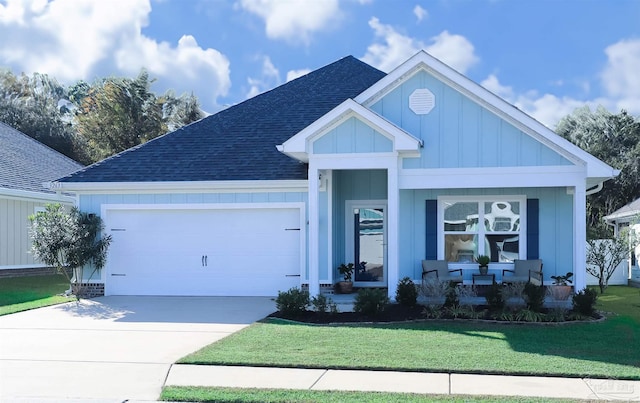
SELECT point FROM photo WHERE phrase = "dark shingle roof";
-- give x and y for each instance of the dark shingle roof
(26, 163)
(239, 143)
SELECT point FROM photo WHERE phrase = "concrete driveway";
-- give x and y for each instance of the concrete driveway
(112, 348)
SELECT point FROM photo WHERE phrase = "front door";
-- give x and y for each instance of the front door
(366, 243)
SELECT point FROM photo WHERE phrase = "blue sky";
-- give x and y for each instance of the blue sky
(546, 57)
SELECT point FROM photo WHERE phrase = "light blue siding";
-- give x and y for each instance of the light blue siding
(459, 133)
(556, 226)
(352, 136)
(93, 203)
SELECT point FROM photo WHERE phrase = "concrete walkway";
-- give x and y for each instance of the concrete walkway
(409, 382)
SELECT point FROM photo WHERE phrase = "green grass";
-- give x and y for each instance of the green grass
(23, 293)
(606, 349)
(200, 394)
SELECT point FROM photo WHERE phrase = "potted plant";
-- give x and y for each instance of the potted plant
(483, 261)
(561, 290)
(346, 286)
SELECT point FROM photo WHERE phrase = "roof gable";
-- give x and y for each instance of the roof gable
(300, 145)
(25, 164)
(596, 169)
(239, 143)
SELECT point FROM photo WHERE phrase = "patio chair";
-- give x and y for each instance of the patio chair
(524, 271)
(439, 269)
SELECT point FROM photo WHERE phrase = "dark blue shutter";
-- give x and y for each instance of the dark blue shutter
(533, 229)
(432, 230)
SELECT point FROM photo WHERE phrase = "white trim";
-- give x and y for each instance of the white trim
(330, 226)
(522, 199)
(300, 145)
(105, 208)
(424, 61)
(464, 178)
(579, 237)
(314, 230)
(26, 195)
(355, 161)
(253, 186)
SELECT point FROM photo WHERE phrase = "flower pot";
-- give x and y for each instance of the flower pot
(484, 270)
(560, 292)
(345, 287)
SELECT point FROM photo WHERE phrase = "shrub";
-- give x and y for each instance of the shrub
(406, 293)
(435, 288)
(494, 297)
(371, 301)
(534, 297)
(512, 293)
(293, 302)
(320, 303)
(584, 302)
(528, 315)
(452, 298)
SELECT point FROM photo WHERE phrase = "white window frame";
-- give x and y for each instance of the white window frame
(481, 232)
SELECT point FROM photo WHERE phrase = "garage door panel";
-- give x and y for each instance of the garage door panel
(160, 252)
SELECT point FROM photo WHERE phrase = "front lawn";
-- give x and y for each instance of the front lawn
(23, 293)
(607, 349)
(198, 394)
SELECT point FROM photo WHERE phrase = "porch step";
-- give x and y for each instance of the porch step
(634, 283)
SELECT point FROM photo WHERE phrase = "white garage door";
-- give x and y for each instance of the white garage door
(229, 252)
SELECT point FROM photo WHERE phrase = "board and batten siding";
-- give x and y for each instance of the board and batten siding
(15, 242)
(555, 220)
(459, 133)
(352, 136)
(92, 203)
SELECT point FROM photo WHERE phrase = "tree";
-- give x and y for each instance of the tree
(35, 106)
(615, 139)
(69, 241)
(604, 256)
(115, 114)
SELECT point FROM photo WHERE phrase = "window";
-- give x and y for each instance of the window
(491, 226)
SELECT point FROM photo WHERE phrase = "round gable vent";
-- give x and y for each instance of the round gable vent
(422, 101)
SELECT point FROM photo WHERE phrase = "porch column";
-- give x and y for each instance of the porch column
(393, 218)
(580, 236)
(314, 225)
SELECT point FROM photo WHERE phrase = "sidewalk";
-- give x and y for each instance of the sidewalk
(408, 382)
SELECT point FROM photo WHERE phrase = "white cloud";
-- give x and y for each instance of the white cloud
(454, 50)
(492, 84)
(620, 77)
(548, 109)
(293, 74)
(420, 13)
(269, 78)
(84, 39)
(293, 20)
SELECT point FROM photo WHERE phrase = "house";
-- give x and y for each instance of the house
(25, 164)
(345, 164)
(628, 216)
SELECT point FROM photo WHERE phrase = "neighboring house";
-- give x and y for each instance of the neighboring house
(344, 164)
(628, 216)
(25, 165)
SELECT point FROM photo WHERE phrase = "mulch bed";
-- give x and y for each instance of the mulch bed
(394, 313)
